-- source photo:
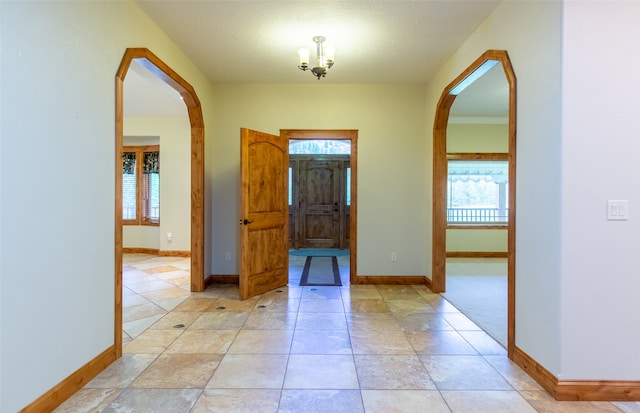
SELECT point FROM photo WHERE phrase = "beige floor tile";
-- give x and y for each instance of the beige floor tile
(439, 342)
(268, 320)
(321, 342)
(178, 371)
(170, 304)
(146, 287)
(463, 373)
(136, 327)
(392, 372)
(321, 401)
(513, 374)
(166, 293)
(357, 305)
(321, 321)
(397, 292)
(372, 321)
(262, 342)
(280, 304)
(152, 341)
(460, 321)
(486, 402)
(195, 304)
(231, 304)
(238, 401)
(314, 305)
(173, 274)
(154, 400)
(483, 343)
(203, 341)
(321, 372)
(175, 318)
(422, 322)
(439, 303)
(213, 291)
(249, 371)
(122, 372)
(401, 401)
(88, 401)
(319, 292)
(376, 342)
(132, 300)
(361, 292)
(410, 306)
(221, 320)
(138, 312)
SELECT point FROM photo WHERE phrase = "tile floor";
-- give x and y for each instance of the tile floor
(304, 349)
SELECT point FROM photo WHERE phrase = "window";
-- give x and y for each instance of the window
(141, 185)
(477, 189)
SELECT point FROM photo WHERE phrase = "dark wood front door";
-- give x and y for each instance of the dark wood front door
(320, 183)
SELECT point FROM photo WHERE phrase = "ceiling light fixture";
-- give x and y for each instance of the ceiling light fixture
(324, 56)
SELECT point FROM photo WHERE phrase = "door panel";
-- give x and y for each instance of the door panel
(320, 186)
(264, 258)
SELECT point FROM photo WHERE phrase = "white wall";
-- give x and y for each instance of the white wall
(476, 137)
(59, 61)
(392, 190)
(600, 144)
(175, 184)
(531, 32)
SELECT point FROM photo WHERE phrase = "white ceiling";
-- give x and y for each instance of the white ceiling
(249, 41)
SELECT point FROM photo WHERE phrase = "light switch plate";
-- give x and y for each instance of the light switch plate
(617, 210)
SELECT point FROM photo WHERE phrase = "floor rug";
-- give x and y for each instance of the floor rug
(321, 271)
(318, 252)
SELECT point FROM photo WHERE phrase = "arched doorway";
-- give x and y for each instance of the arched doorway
(438, 281)
(165, 73)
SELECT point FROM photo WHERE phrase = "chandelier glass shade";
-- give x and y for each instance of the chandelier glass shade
(324, 58)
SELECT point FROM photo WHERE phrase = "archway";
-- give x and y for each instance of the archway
(439, 218)
(165, 73)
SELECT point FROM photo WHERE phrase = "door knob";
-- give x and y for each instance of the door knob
(245, 222)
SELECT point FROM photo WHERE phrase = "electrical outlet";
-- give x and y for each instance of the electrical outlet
(227, 256)
(394, 256)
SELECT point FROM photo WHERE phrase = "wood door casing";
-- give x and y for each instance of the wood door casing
(264, 257)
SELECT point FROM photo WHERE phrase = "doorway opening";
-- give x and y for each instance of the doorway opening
(483, 64)
(323, 197)
(156, 66)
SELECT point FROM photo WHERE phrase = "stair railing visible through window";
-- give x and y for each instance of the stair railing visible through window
(477, 192)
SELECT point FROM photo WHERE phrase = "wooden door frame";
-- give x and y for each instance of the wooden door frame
(352, 136)
(171, 78)
(439, 218)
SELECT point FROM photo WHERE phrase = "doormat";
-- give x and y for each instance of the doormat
(318, 252)
(321, 271)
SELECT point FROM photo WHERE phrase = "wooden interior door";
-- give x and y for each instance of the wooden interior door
(320, 203)
(264, 254)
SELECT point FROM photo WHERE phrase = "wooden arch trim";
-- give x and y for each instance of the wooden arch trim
(194, 110)
(439, 218)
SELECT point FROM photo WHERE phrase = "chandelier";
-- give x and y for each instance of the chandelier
(324, 58)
